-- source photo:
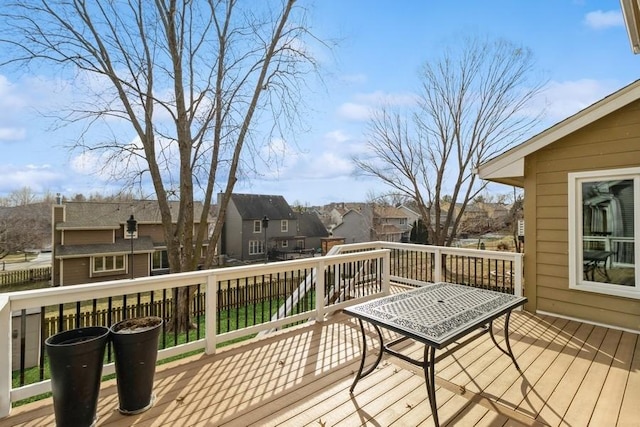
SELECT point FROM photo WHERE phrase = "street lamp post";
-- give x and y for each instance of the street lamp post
(131, 229)
(265, 225)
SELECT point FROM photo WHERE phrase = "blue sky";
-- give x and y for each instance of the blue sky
(581, 47)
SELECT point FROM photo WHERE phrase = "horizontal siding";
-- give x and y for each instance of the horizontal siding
(552, 189)
(552, 236)
(605, 160)
(553, 223)
(75, 271)
(553, 212)
(610, 143)
(552, 259)
(624, 306)
(556, 248)
(87, 237)
(156, 232)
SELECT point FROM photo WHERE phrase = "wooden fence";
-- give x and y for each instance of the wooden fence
(16, 277)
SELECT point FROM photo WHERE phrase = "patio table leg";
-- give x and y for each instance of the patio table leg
(429, 367)
(360, 373)
(508, 351)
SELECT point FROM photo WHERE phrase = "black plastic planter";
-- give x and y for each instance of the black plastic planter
(75, 359)
(135, 347)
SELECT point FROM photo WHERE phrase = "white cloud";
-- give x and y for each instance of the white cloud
(600, 19)
(364, 105)
(336, 137)
(12, 134)
(354, 112)
(328, 165)
(568, 97)
(39, 178)
(10, 98)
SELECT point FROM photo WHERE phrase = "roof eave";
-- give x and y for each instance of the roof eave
(510, 164)
(631, 14)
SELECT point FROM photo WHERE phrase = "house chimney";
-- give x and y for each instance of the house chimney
(58, 199)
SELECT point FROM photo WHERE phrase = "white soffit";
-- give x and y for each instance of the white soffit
(631, 13)
(511, 163)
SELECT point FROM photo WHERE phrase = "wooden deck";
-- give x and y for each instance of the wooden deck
(573, 374)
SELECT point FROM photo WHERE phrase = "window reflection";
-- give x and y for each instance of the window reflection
(607, 237)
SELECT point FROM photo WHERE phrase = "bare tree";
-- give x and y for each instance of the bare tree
(472, 104)
(196, 81)
(20, 197)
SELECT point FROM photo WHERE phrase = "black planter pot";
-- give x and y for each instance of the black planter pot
(135, 347)
(75, 360)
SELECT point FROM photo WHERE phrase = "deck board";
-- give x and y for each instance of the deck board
(630, 409)
(610, 400)
(571, 374)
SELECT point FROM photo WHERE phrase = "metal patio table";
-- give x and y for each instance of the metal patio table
(436, 315)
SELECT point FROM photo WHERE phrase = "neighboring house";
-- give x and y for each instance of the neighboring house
(498, 212)
(354, 228)
(391, 224)
(91, 244)
(411, 215)
(581, 181)
(259, 225)
(373, 222)
(311, 230)
(336, 212)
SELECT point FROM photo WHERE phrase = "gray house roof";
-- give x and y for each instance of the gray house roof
(256, 206)
(112, 215)
(310, 225)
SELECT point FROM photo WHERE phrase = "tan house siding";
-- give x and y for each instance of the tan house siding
(84, 230)
(530, 256)
(610, 143)
(86, 237)
(57, 216)
(155, 231)
(78, 270)
(75, 270)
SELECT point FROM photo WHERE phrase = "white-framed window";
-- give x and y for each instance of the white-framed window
(160, 260)
(256, 247)
(284, 225)
(107, 264)
(284, 244)
(604, 231)
(257, 226)
(128, 235)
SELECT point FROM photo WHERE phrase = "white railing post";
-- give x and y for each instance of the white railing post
(386, 272)
(517, 275)
(320, 310)
(5, 356)
(437, 273)
(210, 310)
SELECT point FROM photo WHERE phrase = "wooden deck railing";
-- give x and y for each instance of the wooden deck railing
(234, 302)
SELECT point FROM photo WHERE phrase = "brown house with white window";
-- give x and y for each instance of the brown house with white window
(581, 180)
(91, 242)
